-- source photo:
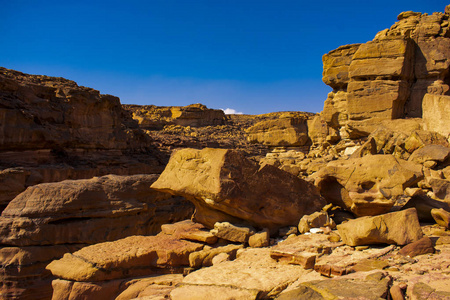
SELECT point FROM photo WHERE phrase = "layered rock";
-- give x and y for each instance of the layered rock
(403, 72)
(49, 220)
(225, 186)
(54, 130)
(253, 275)
(156, 117)
(283, 132)
(88, 211)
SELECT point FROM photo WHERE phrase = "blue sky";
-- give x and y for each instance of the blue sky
(251, 56)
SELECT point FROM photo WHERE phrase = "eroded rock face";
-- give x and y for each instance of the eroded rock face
(369, 185)
(49, 220)
(288, 131)
(23, 274)
(225, 186)
(88, 211)
(53, 130)
(156, 117)
(403, 72)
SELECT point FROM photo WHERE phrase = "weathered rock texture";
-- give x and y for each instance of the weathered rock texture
(88, 211)
(129, 257)
(56, 130)
(399, 228)
(156, 117)
(48, 220)
(369, 185)
(287, 131)
(225, 186)
(403, 72)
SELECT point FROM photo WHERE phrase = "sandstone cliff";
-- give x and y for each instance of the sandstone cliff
(402, 73)
(51, 129)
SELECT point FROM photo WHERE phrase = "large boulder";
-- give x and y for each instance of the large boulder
(398, 228)
(368, 185)
(225, 186)
(88, 211)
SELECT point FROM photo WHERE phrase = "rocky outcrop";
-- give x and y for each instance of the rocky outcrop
(88, 211)
(225, 186)
(402, 72)
(51, 219)
(54, 130)
(369, 185)
(156, 287)
(287, 131)
(195, 115)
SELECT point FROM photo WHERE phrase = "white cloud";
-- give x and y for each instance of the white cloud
(230, 111)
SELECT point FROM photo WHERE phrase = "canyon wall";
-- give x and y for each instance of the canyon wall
(402, 73)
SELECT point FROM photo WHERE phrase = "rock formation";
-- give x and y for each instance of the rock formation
(195, 115)
(335, 209)
(402, 72)
(287, 131)
(225, 186)
(52, 129)
(369, 185)
(50, 219)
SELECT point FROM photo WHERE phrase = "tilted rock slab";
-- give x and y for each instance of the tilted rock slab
(88, 211)
(368, 185)
(225, 186)
(398, 228)
(128, 257)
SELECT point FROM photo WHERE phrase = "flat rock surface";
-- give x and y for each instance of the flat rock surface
(252, 271)
(139, 255)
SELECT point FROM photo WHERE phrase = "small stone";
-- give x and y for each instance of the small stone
(334, 237)
(430, 164)
(396, 293)
(285, 231)
(422, 246)
(260, 239)
(315, 220)
(361, 248)
(441, 216)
